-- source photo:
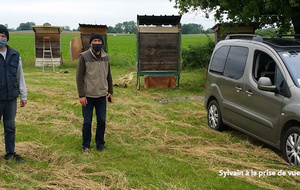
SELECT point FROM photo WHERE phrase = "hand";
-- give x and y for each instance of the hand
(109, 97)
(23, 103)
(83, 101)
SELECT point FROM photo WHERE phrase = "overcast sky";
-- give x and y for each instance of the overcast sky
(105, 12)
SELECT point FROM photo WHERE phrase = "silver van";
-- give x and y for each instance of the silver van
(253, 85)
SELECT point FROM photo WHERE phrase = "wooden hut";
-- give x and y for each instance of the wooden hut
(47, 46)
(221, 31)
(82, 43)
(158, 50)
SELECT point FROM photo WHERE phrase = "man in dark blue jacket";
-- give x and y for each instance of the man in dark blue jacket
(12, 84)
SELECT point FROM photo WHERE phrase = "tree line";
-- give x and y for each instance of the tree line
(125, 27)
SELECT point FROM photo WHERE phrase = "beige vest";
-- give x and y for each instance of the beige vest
(95, 78)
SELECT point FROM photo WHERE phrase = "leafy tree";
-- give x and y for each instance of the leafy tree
(130, 27)
(111, 29)
(209, 30)
(26, 26)
(47, 24)
(192, 28)
(267, 32)
(119, 28)
(280, 13)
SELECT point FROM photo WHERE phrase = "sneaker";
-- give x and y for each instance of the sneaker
(15, 157)
(85, 151)
(100, 149)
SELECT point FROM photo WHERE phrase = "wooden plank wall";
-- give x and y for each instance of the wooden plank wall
(89, 30)
(158, 52)
(55, 44)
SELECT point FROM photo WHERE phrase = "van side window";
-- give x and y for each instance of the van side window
(236, 61)
(264, 66)
(219, 59)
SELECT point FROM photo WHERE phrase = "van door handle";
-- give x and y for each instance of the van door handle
(238, 89)
(249, 92)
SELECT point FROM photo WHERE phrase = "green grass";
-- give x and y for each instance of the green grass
(193, 39)
(149, 145)
(123, 53)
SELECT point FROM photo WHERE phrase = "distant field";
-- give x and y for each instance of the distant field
(121, 47)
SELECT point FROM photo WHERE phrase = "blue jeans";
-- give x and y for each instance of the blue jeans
(87, 112)
(8, 110)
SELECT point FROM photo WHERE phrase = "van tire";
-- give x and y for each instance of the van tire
(214, 116)
(291, 146)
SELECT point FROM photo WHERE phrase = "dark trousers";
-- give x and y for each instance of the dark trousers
(8, 110)
(87, 112)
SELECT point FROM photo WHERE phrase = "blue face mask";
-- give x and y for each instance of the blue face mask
(3, 42)
(97, 47)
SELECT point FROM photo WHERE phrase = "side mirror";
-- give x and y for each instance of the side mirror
(265, 84)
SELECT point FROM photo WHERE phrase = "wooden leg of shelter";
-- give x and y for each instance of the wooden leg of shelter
(138, 82)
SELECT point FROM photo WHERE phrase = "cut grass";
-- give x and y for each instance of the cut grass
(149, 145)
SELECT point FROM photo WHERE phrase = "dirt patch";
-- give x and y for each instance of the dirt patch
(177, 99)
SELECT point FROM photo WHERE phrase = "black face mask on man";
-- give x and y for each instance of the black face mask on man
(97, 47)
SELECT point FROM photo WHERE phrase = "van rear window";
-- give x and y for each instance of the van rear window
(219, 59)
(229, 61)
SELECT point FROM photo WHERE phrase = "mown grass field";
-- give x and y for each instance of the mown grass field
(149, 145)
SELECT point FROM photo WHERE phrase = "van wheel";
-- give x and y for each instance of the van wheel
(291, 146)
(214, 117)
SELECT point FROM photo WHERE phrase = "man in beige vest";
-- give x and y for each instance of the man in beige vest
(94, 85)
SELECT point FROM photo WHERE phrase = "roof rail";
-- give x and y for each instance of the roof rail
(287, 35)
(245, 36)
